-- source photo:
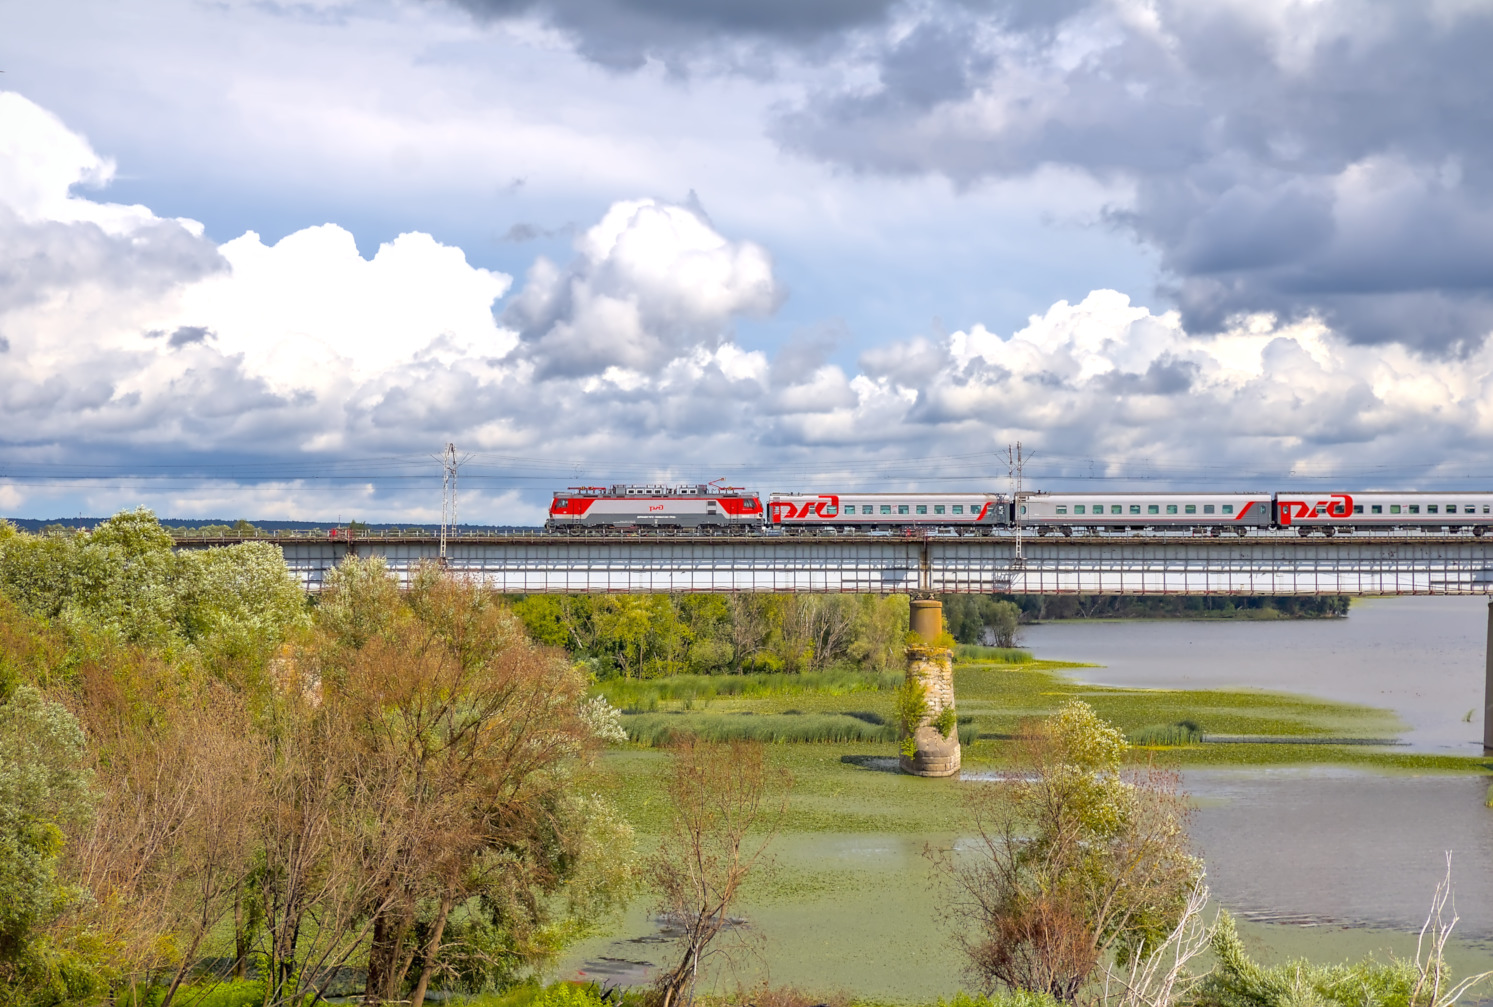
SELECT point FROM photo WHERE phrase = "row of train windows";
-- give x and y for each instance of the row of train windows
(1451, 508)
(903, 508)
(1150, 508)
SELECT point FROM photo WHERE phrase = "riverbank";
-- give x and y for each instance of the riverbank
(850, 904)
(1259, 727)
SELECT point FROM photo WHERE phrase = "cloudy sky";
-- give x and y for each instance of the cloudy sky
(265, 259)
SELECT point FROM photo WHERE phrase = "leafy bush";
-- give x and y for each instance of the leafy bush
(946, 721)
(912, 707)
(1239, 981)
(569, 995)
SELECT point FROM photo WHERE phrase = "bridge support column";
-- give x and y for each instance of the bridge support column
(932, 666)
(1488, 686)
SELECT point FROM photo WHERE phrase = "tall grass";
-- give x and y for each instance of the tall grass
(974, 654)
(1183, 732)
(202, 993)
(645, 695)
(660, 729)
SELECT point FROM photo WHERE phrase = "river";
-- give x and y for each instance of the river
(1421, 657)
(1327, 845)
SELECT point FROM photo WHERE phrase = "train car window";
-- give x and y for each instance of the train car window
(1116, 509)
(886, 508)
(1078, 508)
(1375, 509)
(1135, 508)
(1062, 509)
(922, 508)
(1191, 508)
(959, 508)
(902, 508)
(1394, 508)
(1451, 508)
(1207, 508)
(1228, 508)
(938, 508)
(1171, 508)
(1430, 508)
(1485, 508)
(830, 510)
(1415, 508)
(1358, 508)
(1153, 508)
(866, 509)
(561, 502)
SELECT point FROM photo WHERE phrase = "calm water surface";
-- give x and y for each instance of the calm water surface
(1421, 657)
(1333, 846)
(1327, 845)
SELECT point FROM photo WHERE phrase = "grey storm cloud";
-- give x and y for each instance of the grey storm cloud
(1165, 376)
(39, 258)
(623, 34)
(1328, 160)
(184, 335)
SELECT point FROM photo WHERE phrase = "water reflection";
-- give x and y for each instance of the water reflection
(1421, 657)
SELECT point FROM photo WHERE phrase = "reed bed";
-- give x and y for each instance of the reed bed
(1183, 732)
(969, 653)
(660, 729)
(645, 695)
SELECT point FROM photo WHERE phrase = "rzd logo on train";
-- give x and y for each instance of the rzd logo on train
(1338, 505)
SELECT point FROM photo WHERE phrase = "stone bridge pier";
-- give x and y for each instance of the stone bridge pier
(932, 666)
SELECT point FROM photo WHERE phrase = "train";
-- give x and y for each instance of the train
(706, 508)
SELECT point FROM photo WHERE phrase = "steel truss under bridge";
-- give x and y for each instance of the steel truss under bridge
(1263, 563)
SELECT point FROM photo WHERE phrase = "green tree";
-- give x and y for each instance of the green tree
(625, 622)
(1077, 860)
(239, 596)
(134, 533)
(44, 790)
(1004, 618)
(439, 756)
(725, 806)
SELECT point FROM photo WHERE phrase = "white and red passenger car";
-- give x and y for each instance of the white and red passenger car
(886, 511)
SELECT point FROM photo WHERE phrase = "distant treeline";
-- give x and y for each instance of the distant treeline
(655, 636)
(658, 635)
(1040, 608)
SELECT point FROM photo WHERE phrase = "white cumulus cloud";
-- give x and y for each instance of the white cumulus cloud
(649, 282)
(130, 344)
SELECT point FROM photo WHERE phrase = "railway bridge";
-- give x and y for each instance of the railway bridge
(1264, 562)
